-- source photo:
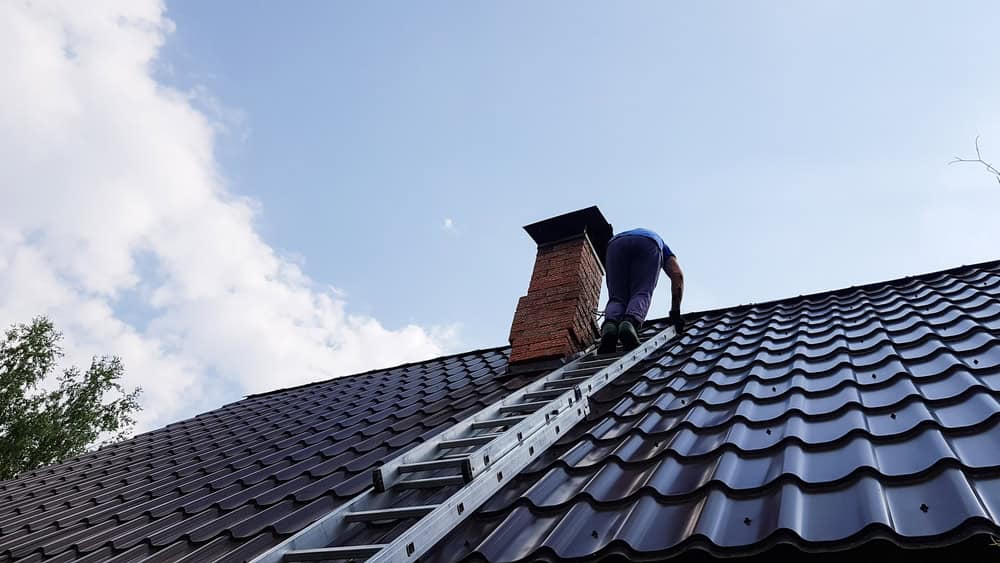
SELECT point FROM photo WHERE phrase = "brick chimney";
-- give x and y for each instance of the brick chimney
(556, 318)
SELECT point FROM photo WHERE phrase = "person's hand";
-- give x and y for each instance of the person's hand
(677, 320)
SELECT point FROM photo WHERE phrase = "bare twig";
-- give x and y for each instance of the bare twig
(979, 159)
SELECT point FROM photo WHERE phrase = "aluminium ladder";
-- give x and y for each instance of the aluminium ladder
(468, 463)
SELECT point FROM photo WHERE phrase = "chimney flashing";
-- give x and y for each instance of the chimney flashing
(588, 221)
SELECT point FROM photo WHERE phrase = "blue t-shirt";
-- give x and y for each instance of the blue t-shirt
(667, 253)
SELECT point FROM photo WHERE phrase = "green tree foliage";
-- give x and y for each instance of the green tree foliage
(39, 427)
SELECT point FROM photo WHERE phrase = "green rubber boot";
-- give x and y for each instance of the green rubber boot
(628, 335)
(609, 338)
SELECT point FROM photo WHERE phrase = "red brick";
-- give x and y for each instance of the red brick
(556, 317)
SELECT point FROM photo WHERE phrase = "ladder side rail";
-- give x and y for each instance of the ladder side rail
(570, 399)
(388, 474)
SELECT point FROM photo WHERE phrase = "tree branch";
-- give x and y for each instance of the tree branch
(979, 159)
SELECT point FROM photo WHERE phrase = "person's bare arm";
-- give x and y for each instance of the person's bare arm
(673, 270)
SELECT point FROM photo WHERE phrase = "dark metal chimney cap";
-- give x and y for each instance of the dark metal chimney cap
(589, 221)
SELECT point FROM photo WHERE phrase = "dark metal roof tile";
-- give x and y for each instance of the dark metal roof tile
(262, 520)
(319, 487)
(933, 506)
(760, 422)
(108, 555)
(134, 532)
(976, 409)
(198, 503)
(169, 533)
(222, 524)
(207, 551)
(306, 514)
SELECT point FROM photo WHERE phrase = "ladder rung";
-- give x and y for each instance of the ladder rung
(612, 356)
(493, 423)
(604, 362)
(433, 464)
(546, 394)
(471, 441)
(576, 372)
(328, 553)
(523, 407)
(565, 382)
(430, 482)
(389, 513)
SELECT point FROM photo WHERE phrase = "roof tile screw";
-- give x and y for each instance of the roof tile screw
(874, 375)
(924, 508)
(747, 520)
(768, 431)
(893, 416)
(593, 534)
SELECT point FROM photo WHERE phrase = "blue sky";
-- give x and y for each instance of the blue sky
(241, 196)
(780, 147)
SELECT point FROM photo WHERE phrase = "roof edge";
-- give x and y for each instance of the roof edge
(373, 370)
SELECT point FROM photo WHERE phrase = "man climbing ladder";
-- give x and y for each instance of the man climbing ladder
(633, 264)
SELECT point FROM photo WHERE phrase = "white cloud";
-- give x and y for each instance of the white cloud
(225, 119)
(110, 190)
(448, 224)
